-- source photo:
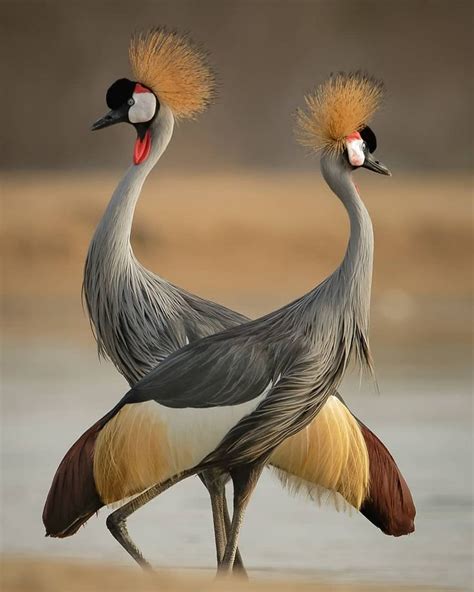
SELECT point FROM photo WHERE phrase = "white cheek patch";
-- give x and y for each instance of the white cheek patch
(355, 151)
(143, 109)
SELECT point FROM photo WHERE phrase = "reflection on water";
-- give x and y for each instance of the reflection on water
(424, 414)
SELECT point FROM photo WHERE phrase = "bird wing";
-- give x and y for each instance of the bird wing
(220, 370)
(304, 383)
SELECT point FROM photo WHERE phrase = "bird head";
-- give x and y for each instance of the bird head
(359, 150)
(335, 120)
(131, 102)
(169, 69)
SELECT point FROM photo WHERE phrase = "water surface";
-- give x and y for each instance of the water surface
(423, 414)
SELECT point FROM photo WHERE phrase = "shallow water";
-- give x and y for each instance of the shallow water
(424, 416)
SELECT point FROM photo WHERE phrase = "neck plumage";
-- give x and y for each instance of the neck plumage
(111, 240)
(341, 304)
(354, 275)
(114, 282)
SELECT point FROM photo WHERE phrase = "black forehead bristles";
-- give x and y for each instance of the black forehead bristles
(369, 138)
(119, 93)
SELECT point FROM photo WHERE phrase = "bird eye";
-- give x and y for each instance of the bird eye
(131, 102)
(364, 146)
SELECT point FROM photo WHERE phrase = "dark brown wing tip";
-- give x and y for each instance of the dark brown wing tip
(389, 504)
(74, 527)
(72, 498)
(393, 527)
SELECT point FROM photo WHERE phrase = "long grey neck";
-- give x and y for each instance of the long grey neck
(341, 304)
(354, 275)
(112, 236)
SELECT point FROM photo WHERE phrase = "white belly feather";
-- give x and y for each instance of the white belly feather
(146, 443)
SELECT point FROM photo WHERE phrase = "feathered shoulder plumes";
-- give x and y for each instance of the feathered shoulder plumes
(343, 104)
(174, 68)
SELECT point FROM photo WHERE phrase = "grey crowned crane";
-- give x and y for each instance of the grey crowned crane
(218, 385)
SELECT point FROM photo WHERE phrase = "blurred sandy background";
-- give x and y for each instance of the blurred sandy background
(237, 212)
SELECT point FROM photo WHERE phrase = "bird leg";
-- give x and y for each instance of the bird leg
(117, 521)
(117, 526)
(220, 534)
(238, 567)
(245, 479)
(215, 482)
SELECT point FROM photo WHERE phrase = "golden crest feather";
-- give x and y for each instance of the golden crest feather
(174, 68)
(343, 104)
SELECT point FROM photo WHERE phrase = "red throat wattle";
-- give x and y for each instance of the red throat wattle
(142, 148)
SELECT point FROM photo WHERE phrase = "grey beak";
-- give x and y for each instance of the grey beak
(114, 116)
(375, 166)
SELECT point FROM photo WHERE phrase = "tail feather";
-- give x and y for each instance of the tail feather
(389, 504)
(73, 498)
